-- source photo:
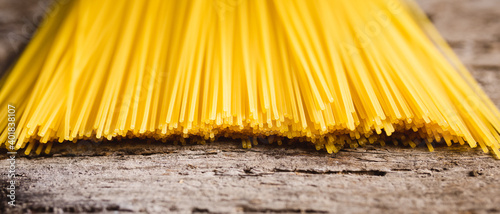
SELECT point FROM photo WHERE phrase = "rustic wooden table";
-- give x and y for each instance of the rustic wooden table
(223, 178)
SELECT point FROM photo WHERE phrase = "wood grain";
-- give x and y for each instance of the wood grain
(151, 177)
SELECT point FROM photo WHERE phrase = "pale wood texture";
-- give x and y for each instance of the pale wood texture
(223, 178)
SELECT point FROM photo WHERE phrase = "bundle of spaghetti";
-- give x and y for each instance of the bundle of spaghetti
(333, 73)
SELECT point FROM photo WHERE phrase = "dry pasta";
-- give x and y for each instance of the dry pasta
(332, 72)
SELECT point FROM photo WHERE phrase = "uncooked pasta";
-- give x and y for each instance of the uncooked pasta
(334, 73)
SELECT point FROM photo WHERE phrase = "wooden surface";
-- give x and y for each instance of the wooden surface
(223, 178)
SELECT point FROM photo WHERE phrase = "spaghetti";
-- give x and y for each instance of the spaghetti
(334, 73)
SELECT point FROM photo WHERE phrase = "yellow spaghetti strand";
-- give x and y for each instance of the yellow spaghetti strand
(338, 74)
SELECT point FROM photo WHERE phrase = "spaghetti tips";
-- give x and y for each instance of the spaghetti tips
(334, 73)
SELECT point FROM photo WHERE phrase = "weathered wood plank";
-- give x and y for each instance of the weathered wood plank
(223, 178)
